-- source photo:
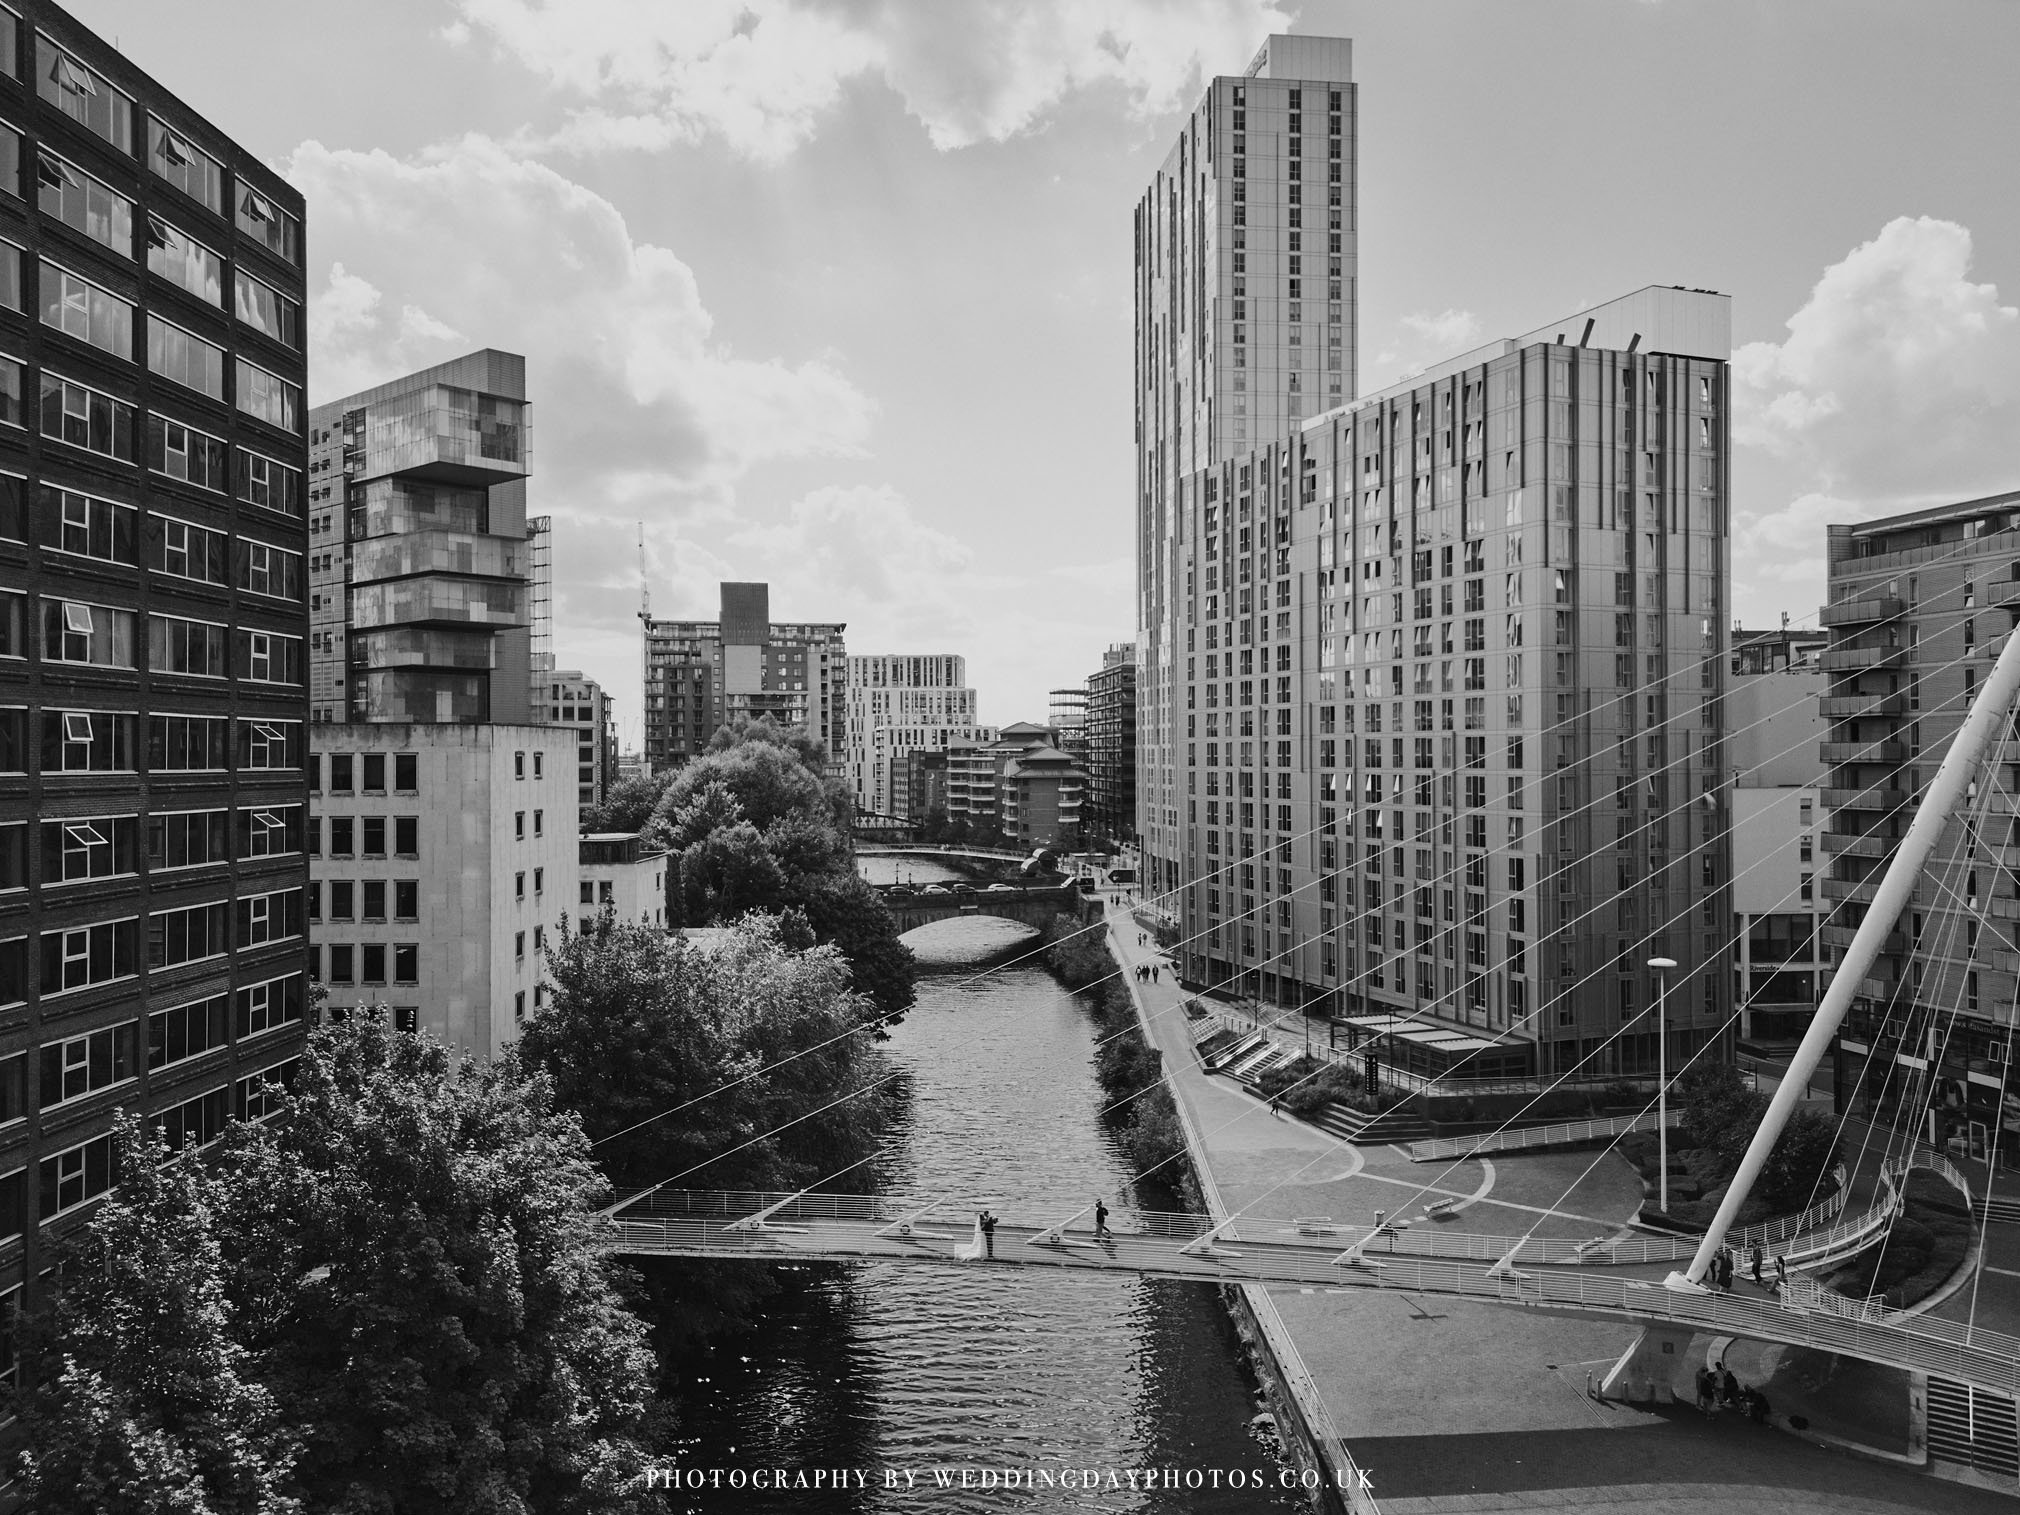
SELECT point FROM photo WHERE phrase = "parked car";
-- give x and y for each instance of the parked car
(935, 889)
(1001, 889)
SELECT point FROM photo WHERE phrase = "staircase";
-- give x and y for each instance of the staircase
(1363, 1130)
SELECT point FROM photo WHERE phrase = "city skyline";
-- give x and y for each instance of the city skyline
(800, 413)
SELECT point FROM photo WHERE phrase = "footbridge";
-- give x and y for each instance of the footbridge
(935, 849)
(1592, 1279)
(1034, 905)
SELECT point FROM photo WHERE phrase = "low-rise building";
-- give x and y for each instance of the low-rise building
(441, 855)
(621, 874)
(1039, 794)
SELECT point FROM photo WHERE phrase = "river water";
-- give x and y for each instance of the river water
(891, 1369)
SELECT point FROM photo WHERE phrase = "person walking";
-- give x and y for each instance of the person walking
(1704, 1390)
(988, 1225)
(1781, 1273)
(1101, 1231)
(1729, 1384)
(1756, 1264)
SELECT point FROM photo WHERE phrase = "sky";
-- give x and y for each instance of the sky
(835, 293)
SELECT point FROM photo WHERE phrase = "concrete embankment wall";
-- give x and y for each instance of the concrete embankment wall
(1311, 1440)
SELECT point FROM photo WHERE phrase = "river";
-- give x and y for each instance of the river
(891, 1368)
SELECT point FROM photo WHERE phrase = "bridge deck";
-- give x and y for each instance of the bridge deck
(1985, 1359)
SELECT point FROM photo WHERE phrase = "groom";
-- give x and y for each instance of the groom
(988, 1224)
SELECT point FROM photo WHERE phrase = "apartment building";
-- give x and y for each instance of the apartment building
(1774, 728)
(701, 675)
(1920, 604)
(896, 704)
(571, 698)
(1110, 812)
(1445, 671)
(623, 876)
(444, 853)
(152, 626)
(1244, 274)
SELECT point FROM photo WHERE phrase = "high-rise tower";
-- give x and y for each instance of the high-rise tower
(1245, 325)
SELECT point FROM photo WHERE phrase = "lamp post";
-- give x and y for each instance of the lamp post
(1662, 965)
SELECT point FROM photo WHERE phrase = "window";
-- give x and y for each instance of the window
(87, 634)
(266, 657)
(269, 831)
(187, 839)
(375, 836)
(85, 1064)
(174, 255)
(186, 358)
(270, 485)
(375, 900)
(267, 224)
(258, 1095)
(268, 397)
(187, 935)
(76, 1177)
(372, 963)
(70, 195)
(267, 310)
(175, 1036)
(13, 503)
(539, 881)
(87, 955)
(519, 886)
(406, 899)
(185, 165)
(195, 1122)
(538, 763)
(406, 963)
(78, 308)
(273, 571)
(87, 847)
(86, 741)
(343, 835)
(342, 768)
(83, 417)
(82, 95)
(89, 527)
(519, 945)
(539, 822)
(267, 746)
(272, 917)
(194, 648)
(186, 551)
(518, 765)
(13, 855)
(265, 1007)
(519, 825)
(184, 453)
(406, 772)
(12, 390)
(342, 959)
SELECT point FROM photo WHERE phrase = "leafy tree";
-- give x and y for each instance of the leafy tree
(845, 911)
(706, 808)
(152, 1405)
(769, 779)
(1806, 1151)
(811, 752)
(425, 1287)
(1716, 1103)
(628, 804)
(728, 873)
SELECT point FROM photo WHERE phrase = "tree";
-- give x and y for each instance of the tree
(1791, 1178)
(151, 1405)
(728, 873)
(628, 804)
(425, 1286)
(844, 910)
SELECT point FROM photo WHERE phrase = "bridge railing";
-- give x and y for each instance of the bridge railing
(1442, 1147)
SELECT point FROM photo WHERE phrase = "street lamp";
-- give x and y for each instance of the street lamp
(1662, 965)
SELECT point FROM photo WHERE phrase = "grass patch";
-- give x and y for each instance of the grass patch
(1927, 1244)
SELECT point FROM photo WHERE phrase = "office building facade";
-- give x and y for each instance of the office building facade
(896, 704)
(1920, 605)
(702, 675)
(1110, 813)
(1244, 278)
(1774, 729)
(1445, 683)
(570, 698)
(153, 619)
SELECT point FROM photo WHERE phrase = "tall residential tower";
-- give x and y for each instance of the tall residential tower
(1245, 326)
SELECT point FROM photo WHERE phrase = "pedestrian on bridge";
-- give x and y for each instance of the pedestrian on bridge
(1756, 1264)
(1781, 1273)
(988, 1224)
(1101, 1231)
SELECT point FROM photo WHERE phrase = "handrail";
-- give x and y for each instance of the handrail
(1438, 1148)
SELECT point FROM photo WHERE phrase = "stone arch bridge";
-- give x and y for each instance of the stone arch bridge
(1033, 905)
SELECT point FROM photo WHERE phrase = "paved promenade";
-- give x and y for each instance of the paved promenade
(1453, 1406)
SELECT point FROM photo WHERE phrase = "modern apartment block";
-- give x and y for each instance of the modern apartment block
(444, 854)
(700, 675)
(571, 698)
(1774, 725)
(1110, 813)
(897, 704)
(1920, 604)
(417, 522)
(1244, 276)
(1444, 670)
(1020, 786)
(153, 618)
(1067, 715)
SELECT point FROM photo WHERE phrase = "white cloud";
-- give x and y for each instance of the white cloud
(1448, 332)
(759, 74)
(1900, 378)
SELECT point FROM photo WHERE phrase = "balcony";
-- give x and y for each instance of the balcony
(1860, 612)
(2005, 594)
(1860, 659)
(1877, 988)
(1840, 937)
(1880, 797)
(1852, 891)
(454, 552)
(1847, 845)
(1863, 752)
(1852, 707)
